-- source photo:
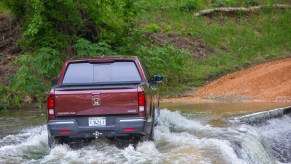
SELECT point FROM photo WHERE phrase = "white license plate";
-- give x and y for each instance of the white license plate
(97, 121)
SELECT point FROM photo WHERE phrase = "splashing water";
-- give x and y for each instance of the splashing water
(178, 139)
(278, 133)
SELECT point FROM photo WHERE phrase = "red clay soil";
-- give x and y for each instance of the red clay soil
(268, 82)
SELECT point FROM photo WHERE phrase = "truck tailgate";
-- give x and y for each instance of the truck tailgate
(96, 102)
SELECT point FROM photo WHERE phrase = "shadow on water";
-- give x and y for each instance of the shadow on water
(195, 134)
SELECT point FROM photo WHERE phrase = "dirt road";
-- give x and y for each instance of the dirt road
(268, 82)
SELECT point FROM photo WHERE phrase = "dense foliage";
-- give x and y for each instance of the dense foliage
(54, 31)
(57, 24)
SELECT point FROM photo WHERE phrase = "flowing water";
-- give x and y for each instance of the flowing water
(187, 133)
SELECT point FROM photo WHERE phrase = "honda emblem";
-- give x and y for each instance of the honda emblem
(96, 101)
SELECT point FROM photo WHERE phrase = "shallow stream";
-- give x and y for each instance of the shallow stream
(187, 133)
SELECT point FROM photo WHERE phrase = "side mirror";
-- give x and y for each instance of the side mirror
(54, 81)
(158, 79)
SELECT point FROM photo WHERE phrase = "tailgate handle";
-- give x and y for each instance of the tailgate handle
(96, 93)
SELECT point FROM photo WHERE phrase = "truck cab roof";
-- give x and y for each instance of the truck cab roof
(103, 59)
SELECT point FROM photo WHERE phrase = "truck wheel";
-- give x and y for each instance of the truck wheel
(152, 134)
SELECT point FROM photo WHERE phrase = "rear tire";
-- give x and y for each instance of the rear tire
(152, 133)
(150, 136)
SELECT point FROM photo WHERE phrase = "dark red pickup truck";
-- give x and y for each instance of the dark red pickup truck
(109, 97)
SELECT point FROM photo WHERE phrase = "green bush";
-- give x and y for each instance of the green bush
(251, 2)
(57, 24)
(32, 79)
(31, 82)
(152, 28)
(190, 5)
(85, 48)
(169, 61)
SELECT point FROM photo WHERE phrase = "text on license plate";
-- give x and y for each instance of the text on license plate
(97, 121)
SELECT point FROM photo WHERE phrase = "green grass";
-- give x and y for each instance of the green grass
(265, 37)
(3, 9)
(237, 41)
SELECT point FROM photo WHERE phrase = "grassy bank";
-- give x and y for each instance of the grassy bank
(232, 41)
(187, 50)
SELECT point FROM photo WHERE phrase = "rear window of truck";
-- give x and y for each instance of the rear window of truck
(103, 73)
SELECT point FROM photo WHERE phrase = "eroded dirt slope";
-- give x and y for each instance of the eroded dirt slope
(265, 82)
(268, 82)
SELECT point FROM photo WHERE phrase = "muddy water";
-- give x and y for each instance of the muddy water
(215, 113)
(186, 133)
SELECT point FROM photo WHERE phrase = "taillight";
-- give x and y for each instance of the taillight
(65, 131)
(141, 104)
(51, 102)
(128, 129)
(51, 107)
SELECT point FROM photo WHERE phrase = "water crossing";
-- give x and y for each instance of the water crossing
(179, 138)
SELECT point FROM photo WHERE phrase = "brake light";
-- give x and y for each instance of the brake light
(141, 104)
(51, 107)
(128, 129)
(65, 131)
(141, 99)
(51, 102)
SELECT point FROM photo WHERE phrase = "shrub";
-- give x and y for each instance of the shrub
(152, 28)
(31, 81)
(85, 48)
(251, 2)
(169, 61)
(57, 24)
(190, 5)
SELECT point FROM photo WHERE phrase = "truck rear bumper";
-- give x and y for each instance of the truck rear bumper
(122, 127)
